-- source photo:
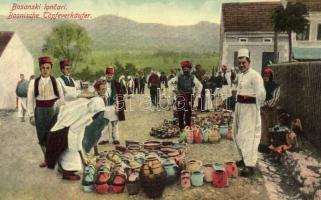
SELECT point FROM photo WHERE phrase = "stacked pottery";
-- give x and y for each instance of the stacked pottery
(153, 177)
(134, 147)
(189, 135)
(220, 178)
(152, 145)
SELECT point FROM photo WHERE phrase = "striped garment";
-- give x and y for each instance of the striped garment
(272, 102)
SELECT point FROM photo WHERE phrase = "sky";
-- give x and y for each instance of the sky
(170, 12)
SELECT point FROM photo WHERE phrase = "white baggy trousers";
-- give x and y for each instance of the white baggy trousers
(247, 125)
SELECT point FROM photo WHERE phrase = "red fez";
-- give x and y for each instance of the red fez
(267, 70)
(64, 63)
(97, 84)
(186, 64)
(109, 70)
(45, 59)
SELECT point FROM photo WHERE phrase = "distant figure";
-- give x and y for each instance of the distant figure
(142, 82)
(123, 84)
(136, 85)
(130, 86)
(21, 101)
(153, 85)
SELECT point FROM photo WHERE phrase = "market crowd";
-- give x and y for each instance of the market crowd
(72, 117)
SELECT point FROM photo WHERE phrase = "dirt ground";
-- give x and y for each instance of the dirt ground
(21, 178)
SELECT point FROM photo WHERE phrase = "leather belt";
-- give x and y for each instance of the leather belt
(246, 99)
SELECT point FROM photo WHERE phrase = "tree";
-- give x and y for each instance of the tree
(291, 19)
(68, 40)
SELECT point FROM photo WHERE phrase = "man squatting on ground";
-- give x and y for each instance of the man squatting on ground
(44, 97)
(247, 123)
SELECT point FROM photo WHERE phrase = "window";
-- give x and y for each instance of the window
(319, 32)
(267, 40)
(305, 34)
(243, 40)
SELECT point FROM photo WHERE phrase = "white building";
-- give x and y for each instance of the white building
(307, 46)
(249, 25)
(15, 59)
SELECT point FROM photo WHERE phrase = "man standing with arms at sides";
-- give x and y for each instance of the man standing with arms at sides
(44, 97)
(185, 83)
(247, 123)
(115, 107)
(22, 92)
(153, 84)
(67, 83)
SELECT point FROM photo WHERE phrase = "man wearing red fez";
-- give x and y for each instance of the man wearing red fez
(115, 107)
(66, 81)
(268, 110)
(185, 83)
(44, 97)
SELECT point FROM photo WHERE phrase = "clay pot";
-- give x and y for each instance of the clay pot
(197, 135)
(220, 179)
(189, 135)
(223, 130)
(197, 178)
(152, 145)
(208, 172)
(194, 165)
(214, 136)
(133, 147)
(171, 170)
(152, 167)
(205, 132)
(231, 169)
(229, 135)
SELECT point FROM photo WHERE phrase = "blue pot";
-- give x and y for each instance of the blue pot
(223, 130)
(197, 178)
(171, 170)
(205, 134)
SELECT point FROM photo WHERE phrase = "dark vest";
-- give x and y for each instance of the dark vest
(54, 85)
(270, 86)
(185, 83)
(67, 82)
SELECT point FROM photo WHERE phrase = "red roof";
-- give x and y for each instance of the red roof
(312, 5)
(248, 17)
(5, 37)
